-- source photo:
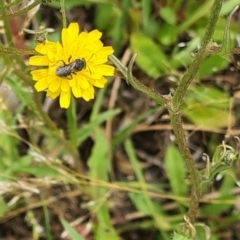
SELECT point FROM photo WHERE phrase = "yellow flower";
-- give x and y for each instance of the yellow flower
(75, 66)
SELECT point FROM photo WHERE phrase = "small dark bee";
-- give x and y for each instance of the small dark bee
(66, 70)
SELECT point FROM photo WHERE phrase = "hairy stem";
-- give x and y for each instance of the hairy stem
(173, 105)
(200, 56)
(63, 11)
(175, 114)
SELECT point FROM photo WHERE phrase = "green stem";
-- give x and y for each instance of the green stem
(21, 12)
(175, 115)
(127, 74)
(63, 11)
(200, 56)
(190, 164)
(72, 123)
(78, 166)
(173, 105)
(18, 51)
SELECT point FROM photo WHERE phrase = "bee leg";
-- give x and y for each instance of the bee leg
(69, 59)
(70, 76)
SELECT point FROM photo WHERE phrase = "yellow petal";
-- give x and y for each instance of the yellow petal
(100, 83)
(83, 53)
(81, 81)
(105, 51)
(77, 92)
(82, 40)
(65, 85)
(41, 85)
(94, 35)
(73, 30)
(106, 70)
(65, 99)
(38, 61)
(101, 59)
(94, 46)
(38, 74)
(64, 37)
(51, 78)
(53, 95)
(45, 47)
(55, 85)
(88, 93)
(69, 35)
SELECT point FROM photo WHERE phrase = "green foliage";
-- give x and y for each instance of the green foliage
(71, 231)
(145, 47)
(166, 39)
(175, 170)
(204, 105)
(98, 164)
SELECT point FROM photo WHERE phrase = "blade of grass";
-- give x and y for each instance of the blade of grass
(46, 219)
(155, 212)
(98, 163)
(71, 231)
(86, 130)
(201, 11)
(97, 104)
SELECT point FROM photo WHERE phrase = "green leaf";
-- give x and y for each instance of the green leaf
(3, 207)
(228, 6)
(168, 15)
(98, 164)
(71, 231)
(17, 166)
(182, 56)
(150, 208)
(104, 228)
(195, 15)
(142, 201)
(98, 161)
(151, 58)
(208, 96)
(175, 170)
(167, 34)
(105, 16)
(212, 64)
(207, 116)
(41, 171)
(177, 236)
(207, 107)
